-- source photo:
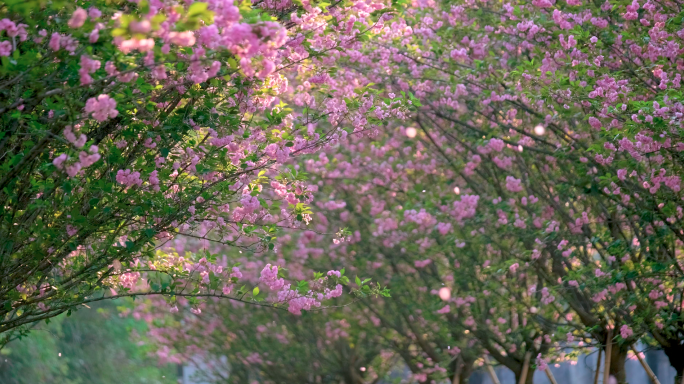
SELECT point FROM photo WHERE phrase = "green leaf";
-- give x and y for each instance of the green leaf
(197, 9)
(303, 287)
(255, 291)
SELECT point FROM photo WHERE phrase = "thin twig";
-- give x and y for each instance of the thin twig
(490, 369)
(525, 368)
(609, 349)
(644, 364)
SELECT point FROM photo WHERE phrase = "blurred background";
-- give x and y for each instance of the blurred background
(97, 345)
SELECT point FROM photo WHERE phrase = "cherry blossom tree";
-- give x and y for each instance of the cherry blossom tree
(509, 170)
(566, 117)
(125, 124)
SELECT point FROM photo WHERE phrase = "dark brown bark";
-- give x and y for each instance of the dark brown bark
(675, 353)
(464, 376)
(617, 363)
(530, 376)
(463, 367)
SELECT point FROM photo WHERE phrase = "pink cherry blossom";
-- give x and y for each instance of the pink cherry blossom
(78, 18)
(102, 108)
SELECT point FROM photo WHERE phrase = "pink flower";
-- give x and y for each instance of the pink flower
(128, 178)
(331, 294)
(444, 228)
(102, 108)
(496, 144)
(184, 39)
(282, 155)
(159, 72)
(142, 45)
(88, 66)
(94, 13)
(214, 69)
(5, 48)
(269, 276)
(542, 365)
(78, 18)
(71, 137)
(72, 170)
(296, 304)
(154, 180)
(626, 331)
(271, 150)
(599, 22)
(94, 36)
(445, 309)
(59, 161)
(600, 296)
(141, 27)
(236, 273)
(81, 141)
(87, 160)
(595, 123)
(55, 41)
(543, 3)
(459, 54)
(621, 174)
(513, 184)
(71, 230)
(269, 67)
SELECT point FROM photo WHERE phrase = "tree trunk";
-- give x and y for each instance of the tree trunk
(530, 376)
(617, 363)
(675, 353)
(466, 372)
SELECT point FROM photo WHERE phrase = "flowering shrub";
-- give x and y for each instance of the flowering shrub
(262, 341)
(538, 181)
(127, 124)
(269, 346)
(563, 118)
